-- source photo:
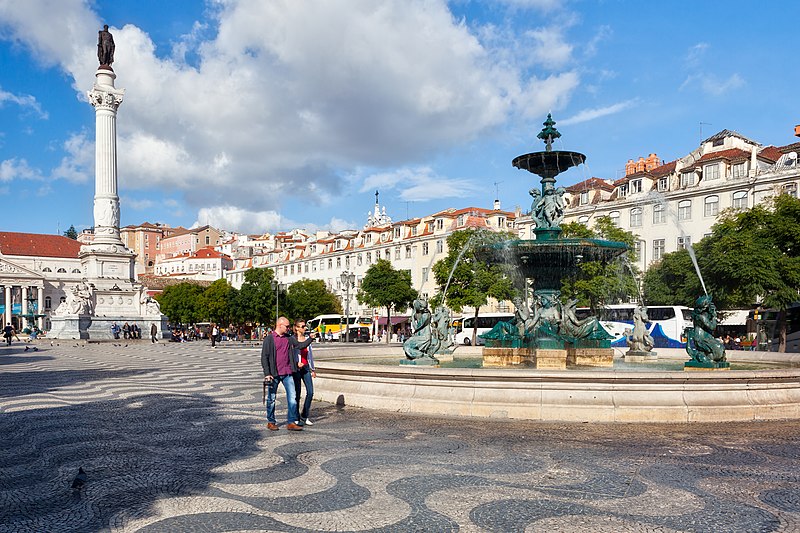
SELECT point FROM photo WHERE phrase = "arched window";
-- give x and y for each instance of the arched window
(46, 269)
(659, 214)
(61, 271)
(711, 208)
(76, 270)
(685, 210)
(614, 216)
(739, 200)
(636, 217)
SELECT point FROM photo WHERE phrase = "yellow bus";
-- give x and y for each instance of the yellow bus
(335, 324)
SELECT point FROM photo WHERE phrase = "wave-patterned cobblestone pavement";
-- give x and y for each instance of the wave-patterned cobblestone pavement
(173, 438)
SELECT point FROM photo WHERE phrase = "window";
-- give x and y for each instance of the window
(460, 220)
(291, 269)
(622, 191)
(711, 172)
(397, 253)
(368, 237)
(439, 246)
(658, 249)
(583, 220)
(305, 269)
(739, 170)
(584, 197)
(62, 271)
(711, 208)
(687, 179)
(408, 252)
(397, 233)
(663, 184)
(636, 186)
(388, 254)
(439, 223)
(636, 217)
(338, 262)
(790, 189)
(614, 216)
(684, 242)
(637, 248)
(347, 261)
(414, 231)
(424, 274)
(48, 302)
(685, 210)
(739, 200)
(330, 263)
(359, 260)
(659, 214)
(424, 248)
(76, 270)
(314, 266)
(369, 257)
(208, 240)
(501, 221)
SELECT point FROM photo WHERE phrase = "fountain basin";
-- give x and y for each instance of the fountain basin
(575, 395)
(548, 163)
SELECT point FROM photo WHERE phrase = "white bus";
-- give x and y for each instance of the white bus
(616, 318)
(485, 322)
(334, 324)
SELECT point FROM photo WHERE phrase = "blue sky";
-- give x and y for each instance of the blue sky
(267, 115)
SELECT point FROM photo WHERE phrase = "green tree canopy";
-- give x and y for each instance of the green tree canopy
(217, 302)
(599, 284)
(672, 281)
(472, 281)
(181, 302)
(71, 233)
(256, 299)
(383, 286)
(308, 298)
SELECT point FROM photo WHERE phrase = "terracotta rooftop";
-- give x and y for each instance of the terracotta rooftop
(590, 184)
(730, 154)
(771, 153)
(37, 245)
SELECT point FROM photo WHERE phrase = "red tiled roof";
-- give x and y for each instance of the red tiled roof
(664, 170)
(590, 184)
(37, 245)
(771, 153)
(794, 147)
(730, 154)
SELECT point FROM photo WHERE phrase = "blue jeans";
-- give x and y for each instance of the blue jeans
(304, 375)
(291, 398)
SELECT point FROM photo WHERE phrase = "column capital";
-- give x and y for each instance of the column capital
(105, 97)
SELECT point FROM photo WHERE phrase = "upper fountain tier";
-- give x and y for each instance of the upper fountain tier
(548, 164)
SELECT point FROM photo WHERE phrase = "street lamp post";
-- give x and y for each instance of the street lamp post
(277, 286)
(348, 280)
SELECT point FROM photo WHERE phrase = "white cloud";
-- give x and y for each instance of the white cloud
(257, 222)
(586, 115)
(716, 87)
(18, 169)
(268, 94)
(78, 165)
(696, 52)
(24, 101)
(420, 184)
(138, 204)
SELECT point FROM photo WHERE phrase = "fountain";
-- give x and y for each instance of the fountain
(549, 335)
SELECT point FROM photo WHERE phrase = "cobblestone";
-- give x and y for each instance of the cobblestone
(173, 438)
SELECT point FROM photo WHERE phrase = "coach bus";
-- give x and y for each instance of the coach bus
(335, 324)
(616, 318)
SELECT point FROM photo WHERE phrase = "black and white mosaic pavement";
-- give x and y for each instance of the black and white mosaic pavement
(173, 438)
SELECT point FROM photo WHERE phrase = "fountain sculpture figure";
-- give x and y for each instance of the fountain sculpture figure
(431, 336)
(543, 334)
(705, 350)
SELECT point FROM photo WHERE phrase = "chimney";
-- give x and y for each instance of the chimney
(797, 131)
(497, 205)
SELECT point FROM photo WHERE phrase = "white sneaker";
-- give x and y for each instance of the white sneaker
(308, 422)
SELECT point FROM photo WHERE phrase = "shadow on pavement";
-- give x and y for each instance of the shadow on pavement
(134, 451)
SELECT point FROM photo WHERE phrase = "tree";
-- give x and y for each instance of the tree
(466, 280)
(598, 284)
(256, 299)
(181, 302)
(754, 257)
(383, 286)
(308, 298)
(216, 302)
(672, 281)
(71, 233)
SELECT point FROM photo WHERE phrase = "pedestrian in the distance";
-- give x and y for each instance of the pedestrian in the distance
(153, 332)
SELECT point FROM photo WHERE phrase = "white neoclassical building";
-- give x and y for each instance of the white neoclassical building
(36, 272)
(414, 245)
(670, 205)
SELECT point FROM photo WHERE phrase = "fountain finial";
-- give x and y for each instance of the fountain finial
(549, 132)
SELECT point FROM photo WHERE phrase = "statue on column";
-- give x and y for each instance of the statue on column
(78, 301)
(105, 47)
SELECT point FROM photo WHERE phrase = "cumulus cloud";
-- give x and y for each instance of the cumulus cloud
(420, 184)
(18, 169)
(262, 94)
(257, 222)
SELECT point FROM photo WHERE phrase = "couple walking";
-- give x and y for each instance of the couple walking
(286, 359)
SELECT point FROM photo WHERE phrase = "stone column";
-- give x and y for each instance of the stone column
(40, 306)
(24, 301)
(105, 99)
(7, 319)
